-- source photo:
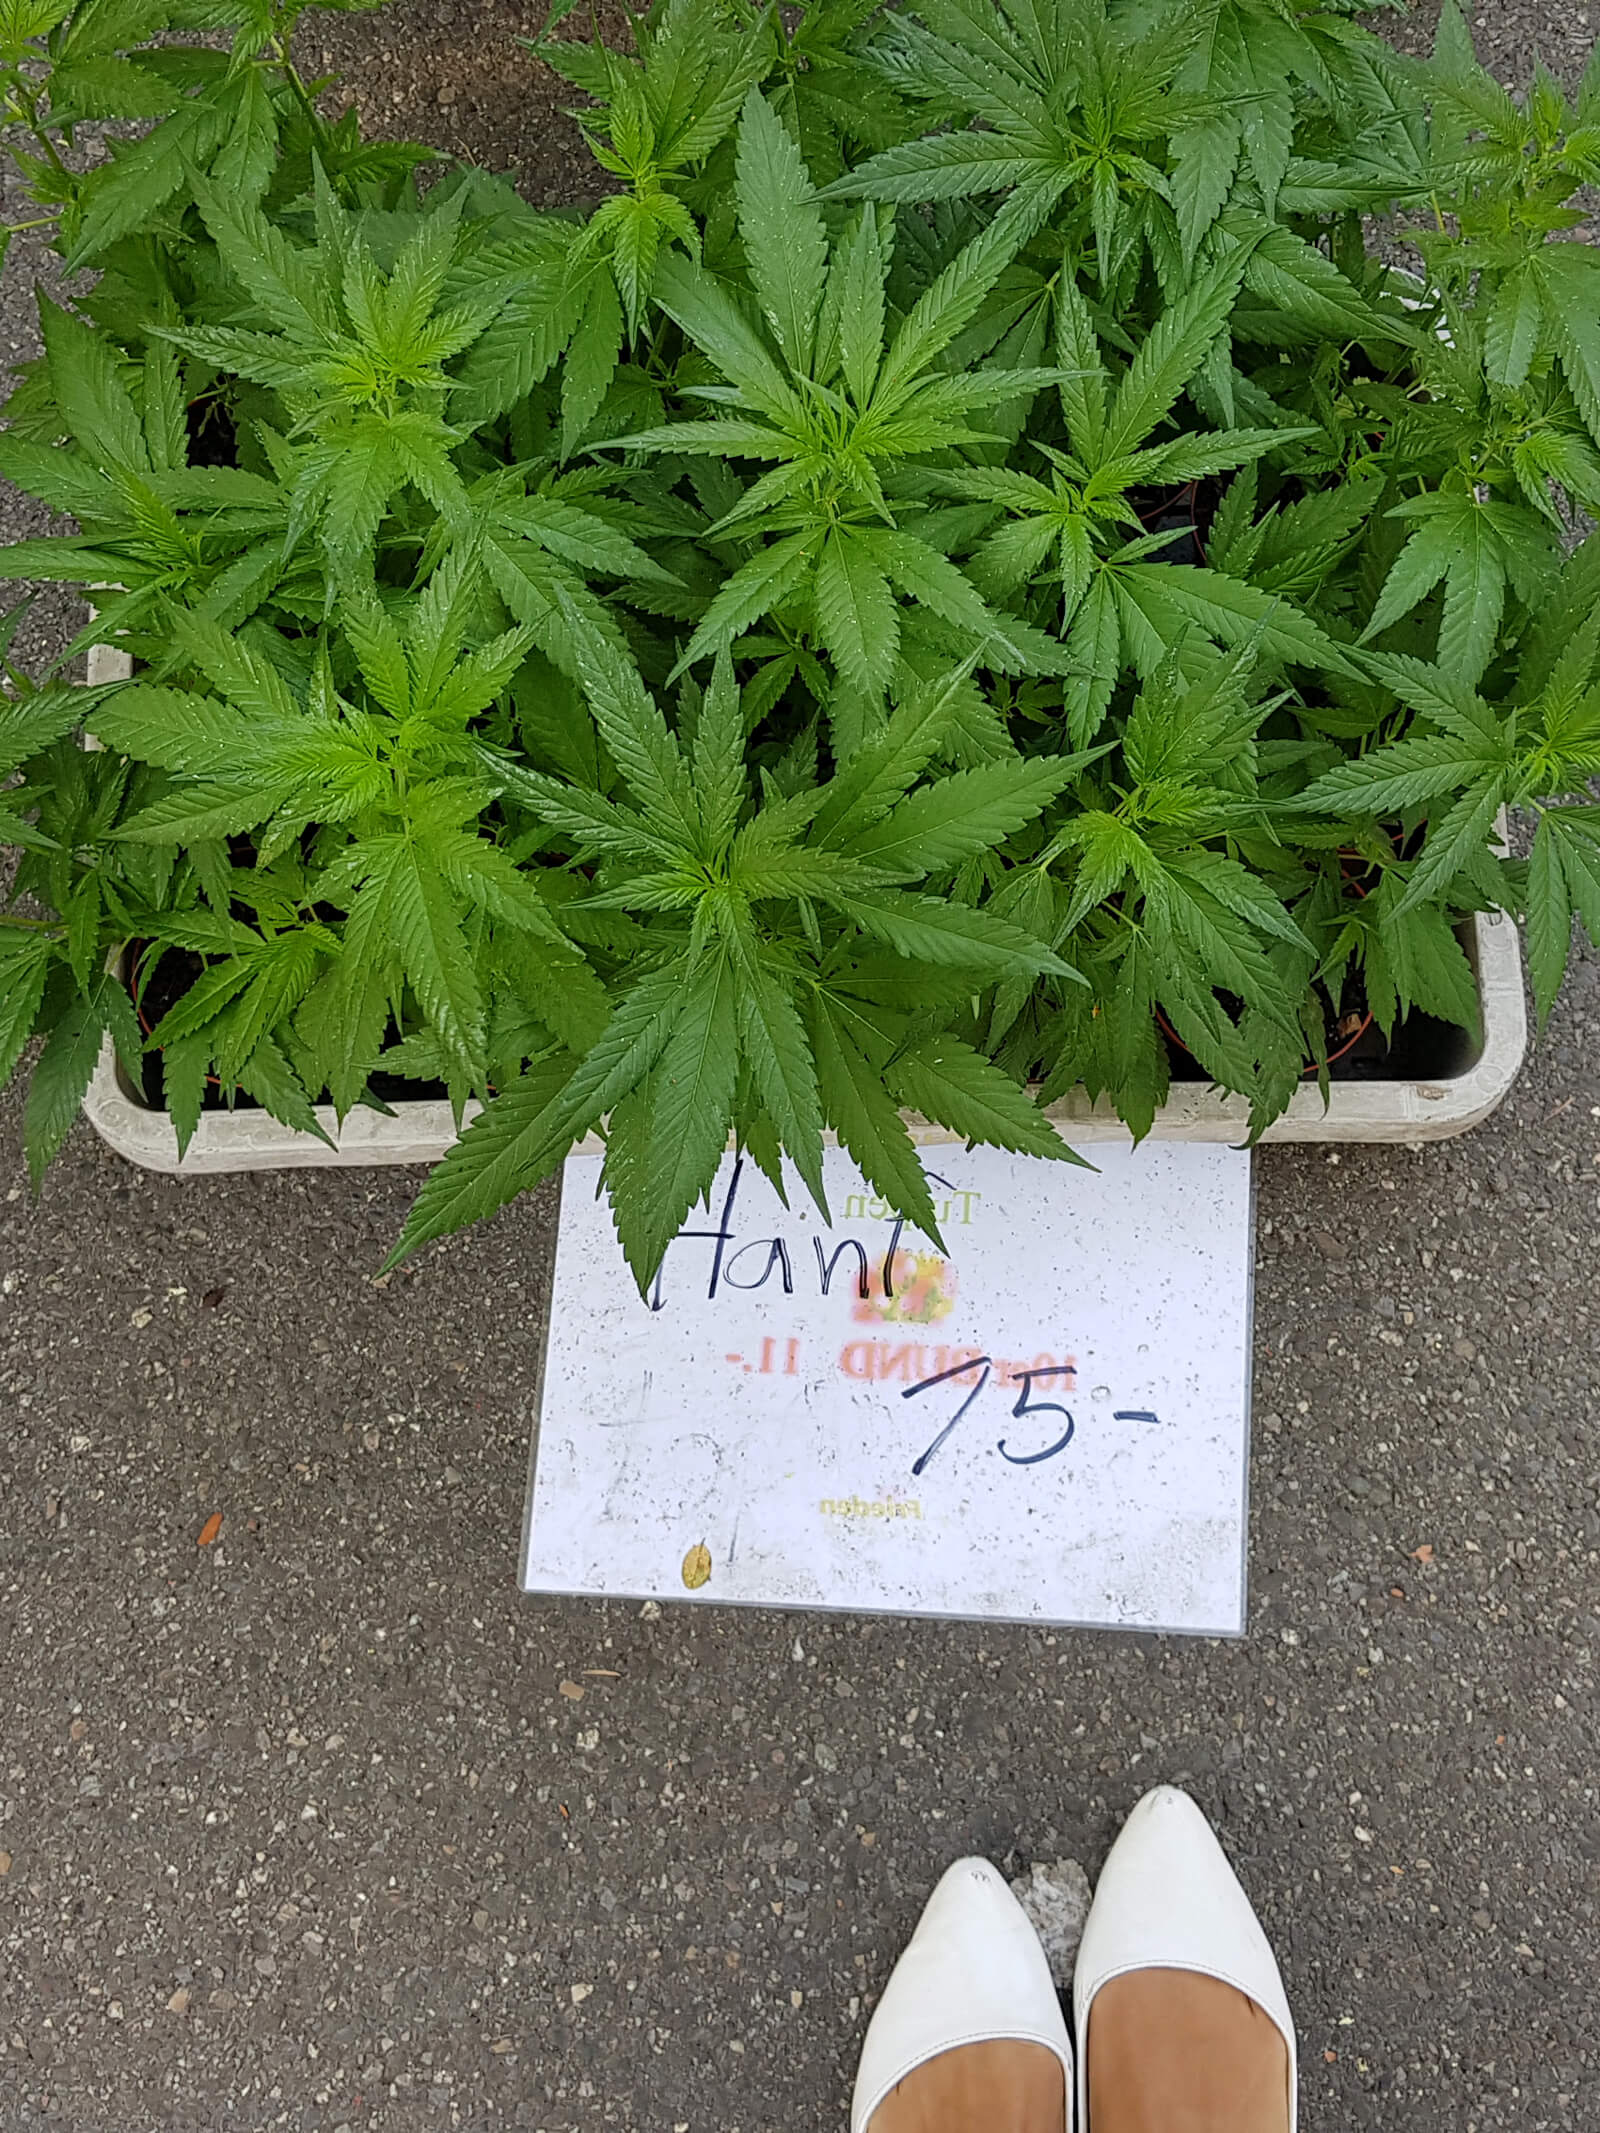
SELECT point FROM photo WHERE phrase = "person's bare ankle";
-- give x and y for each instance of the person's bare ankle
(1003, 2085)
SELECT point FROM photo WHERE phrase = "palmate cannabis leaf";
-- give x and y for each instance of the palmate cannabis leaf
(53, 976)
(1508, 167)
(354, 356)
(155, 528)
(1068, 98)
(822, 84)
(1477, 548)
(658, 116)
(910, 427)
(654, 122)
(1118, 604)
(560, 305)
(759, 1013)
(237, 115)
(1160, 915)
(426, 896)
(541, 547)
(1464, 761)
(839, 402)
(1255, 69)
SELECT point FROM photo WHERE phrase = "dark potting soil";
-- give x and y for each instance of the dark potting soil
(213, 435)
(165, 986)
(1185, 512)
(1355, 1048)
(1424, 1049)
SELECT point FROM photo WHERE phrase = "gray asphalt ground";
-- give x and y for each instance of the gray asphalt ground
(310, 1829)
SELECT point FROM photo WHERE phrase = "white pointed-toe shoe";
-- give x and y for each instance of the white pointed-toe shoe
(974, 1972)
(1167, 1899)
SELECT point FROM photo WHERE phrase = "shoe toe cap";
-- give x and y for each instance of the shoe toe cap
(973, 1970)
(1168, 1897)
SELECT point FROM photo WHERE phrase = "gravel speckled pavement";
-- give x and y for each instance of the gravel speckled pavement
(322, 1827)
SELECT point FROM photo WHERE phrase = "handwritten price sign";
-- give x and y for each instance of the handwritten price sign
(1045, 1421)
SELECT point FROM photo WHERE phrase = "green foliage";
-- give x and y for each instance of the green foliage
(962, 575)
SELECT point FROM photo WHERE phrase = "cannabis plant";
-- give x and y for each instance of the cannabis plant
(965, 574)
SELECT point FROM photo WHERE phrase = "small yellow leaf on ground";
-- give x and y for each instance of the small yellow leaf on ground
(572, 1692)
(210, 1530)
(697, 1566)
(1424, 1554)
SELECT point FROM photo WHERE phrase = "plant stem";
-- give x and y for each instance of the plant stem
(25, 105)
(299, 91)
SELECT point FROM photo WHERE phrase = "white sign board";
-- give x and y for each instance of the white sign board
(1048, 1421)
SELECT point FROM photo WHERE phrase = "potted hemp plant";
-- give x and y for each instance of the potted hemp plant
(967, 589)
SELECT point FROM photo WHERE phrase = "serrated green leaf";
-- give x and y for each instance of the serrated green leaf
(24, 967)
(856, 614)
(865, 1118)
(1235, 613)
(129, 190)
(94, 402)
(690, 1113)
(32, 723)
(943, 166)
(1416, 570)
(756, 587)
(1454, 842)
(1427, 965)
(888, 764)
(953, 299)
(718, 768)
(1205, 157)
(1569, 279)
(1511, 329)
(1474, 597)
(245, 161)
(945, 932)
(185, 1071)
(1170, 354)
(591, 361)
(959, 1089)
(971, 811)
(1563, 871)
(773, 1040)
(1405, 774)
(1094, 646)
(710, 315)
(781, 224)
(633, 728)
(1305, 284)
(62, 1073)
(513, 1144)
(267, 1076)
(433, 950)
(859, 268)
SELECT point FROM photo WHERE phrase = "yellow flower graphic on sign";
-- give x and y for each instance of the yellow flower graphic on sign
(924, 1288)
